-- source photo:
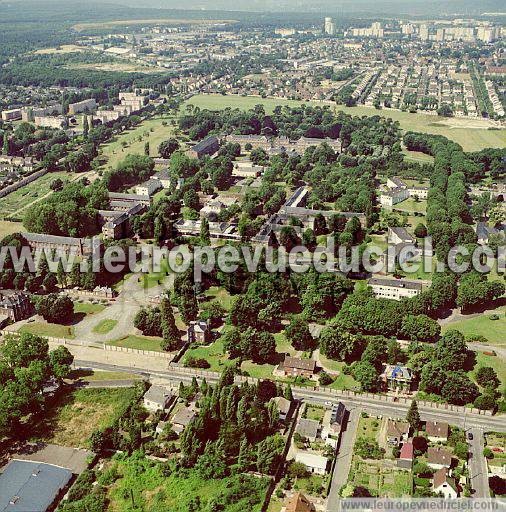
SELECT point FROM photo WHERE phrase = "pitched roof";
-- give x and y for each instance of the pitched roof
(437, 429)
(439, 456)
(441, 477)
(282, 403)
(307, 427)
(183, 417)
(34, 486)
(407, 451)
(299, 503)
(397, 428)
(158, 395)
(300, 364)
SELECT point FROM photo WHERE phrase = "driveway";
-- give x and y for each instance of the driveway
(478, 471)
(344, 456)
(132, 297)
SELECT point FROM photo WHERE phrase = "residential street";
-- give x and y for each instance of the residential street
(343, 459)
(478, 472)
(371, 405)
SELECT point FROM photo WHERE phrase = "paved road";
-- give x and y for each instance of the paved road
(371, 405)
(478, 471)
(344, 456)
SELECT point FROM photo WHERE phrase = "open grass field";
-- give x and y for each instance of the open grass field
(118, 67)
(133, 141)
(481, 325)
(341, 381)
(139, 342)
(471, 135)
(417, 156)
(48, 329)
(218, 294)
(8, 228)
(24, 196)
(214, 354)
(75, 414)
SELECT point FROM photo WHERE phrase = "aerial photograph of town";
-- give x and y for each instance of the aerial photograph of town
(252, 255)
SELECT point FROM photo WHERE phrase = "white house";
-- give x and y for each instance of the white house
(444, 484)
(314, 463)
(157, 398)
(148, 188)
(394, 289)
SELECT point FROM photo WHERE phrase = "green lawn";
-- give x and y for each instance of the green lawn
(214, 354)
(88, 308)
(258, 371)
(151, 130)
(220, 102)
(369, 428)
(8, 228)
(411, 206)
(139, 342)
(342, 381)
(221, 295)
(417, 156)
(74, 415)
(481, 325)
(498, 364)
(104, 326)
(314, 413)
(48, 329)
(471, 139)
(29, 193)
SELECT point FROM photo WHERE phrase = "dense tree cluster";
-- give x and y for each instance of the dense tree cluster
(235, 428)
(26, 365)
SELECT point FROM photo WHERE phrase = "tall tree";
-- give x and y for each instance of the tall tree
(413, 416)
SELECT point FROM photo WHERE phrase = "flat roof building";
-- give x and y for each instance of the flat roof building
(31, 486)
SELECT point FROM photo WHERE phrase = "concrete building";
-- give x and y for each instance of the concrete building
(58, 122)
(157, 398)
(29, 113)
(394, 289)
(330, 27)
(117, 224)
(85, 106)
(107, 116)
(315, 463)
(32, 486)
(12, 115)
(121, 201)
(148, 188)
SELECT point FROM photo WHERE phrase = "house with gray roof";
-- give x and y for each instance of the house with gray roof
(308, 429)
(27, 486)
(157, 398)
